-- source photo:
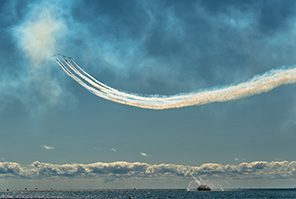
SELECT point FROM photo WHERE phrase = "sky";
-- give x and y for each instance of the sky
(56, 134)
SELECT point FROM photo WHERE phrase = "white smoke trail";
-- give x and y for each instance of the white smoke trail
(256, 85)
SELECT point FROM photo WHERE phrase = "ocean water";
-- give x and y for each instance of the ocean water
(151, 193)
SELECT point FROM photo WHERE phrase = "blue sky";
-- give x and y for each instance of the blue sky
(146, 47)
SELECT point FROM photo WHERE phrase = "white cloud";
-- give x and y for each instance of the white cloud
(236, 159)
(113, 149)
(48, 147)
(143, 154)
(37, 35)
(39, 32)
(11, 168)
(123, 170)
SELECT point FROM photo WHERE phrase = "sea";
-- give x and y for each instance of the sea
(151, 193)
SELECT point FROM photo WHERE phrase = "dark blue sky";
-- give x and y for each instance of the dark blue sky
(146, 47)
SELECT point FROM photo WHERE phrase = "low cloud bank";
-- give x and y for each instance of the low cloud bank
(124, 170)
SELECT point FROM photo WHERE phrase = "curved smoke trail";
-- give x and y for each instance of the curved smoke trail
(255, 86)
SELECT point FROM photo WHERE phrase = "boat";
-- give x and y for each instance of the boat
(203, 187)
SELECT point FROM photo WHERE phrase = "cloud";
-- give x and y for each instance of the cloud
(32, 34)
(143, 154)
(48, 147)
(169, 47)
(236, 159)
(11, 168)
(123, 170)
(39, 33)
(113, 149)
(193, 55)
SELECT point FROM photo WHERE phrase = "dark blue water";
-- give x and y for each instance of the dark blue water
(154, 193)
